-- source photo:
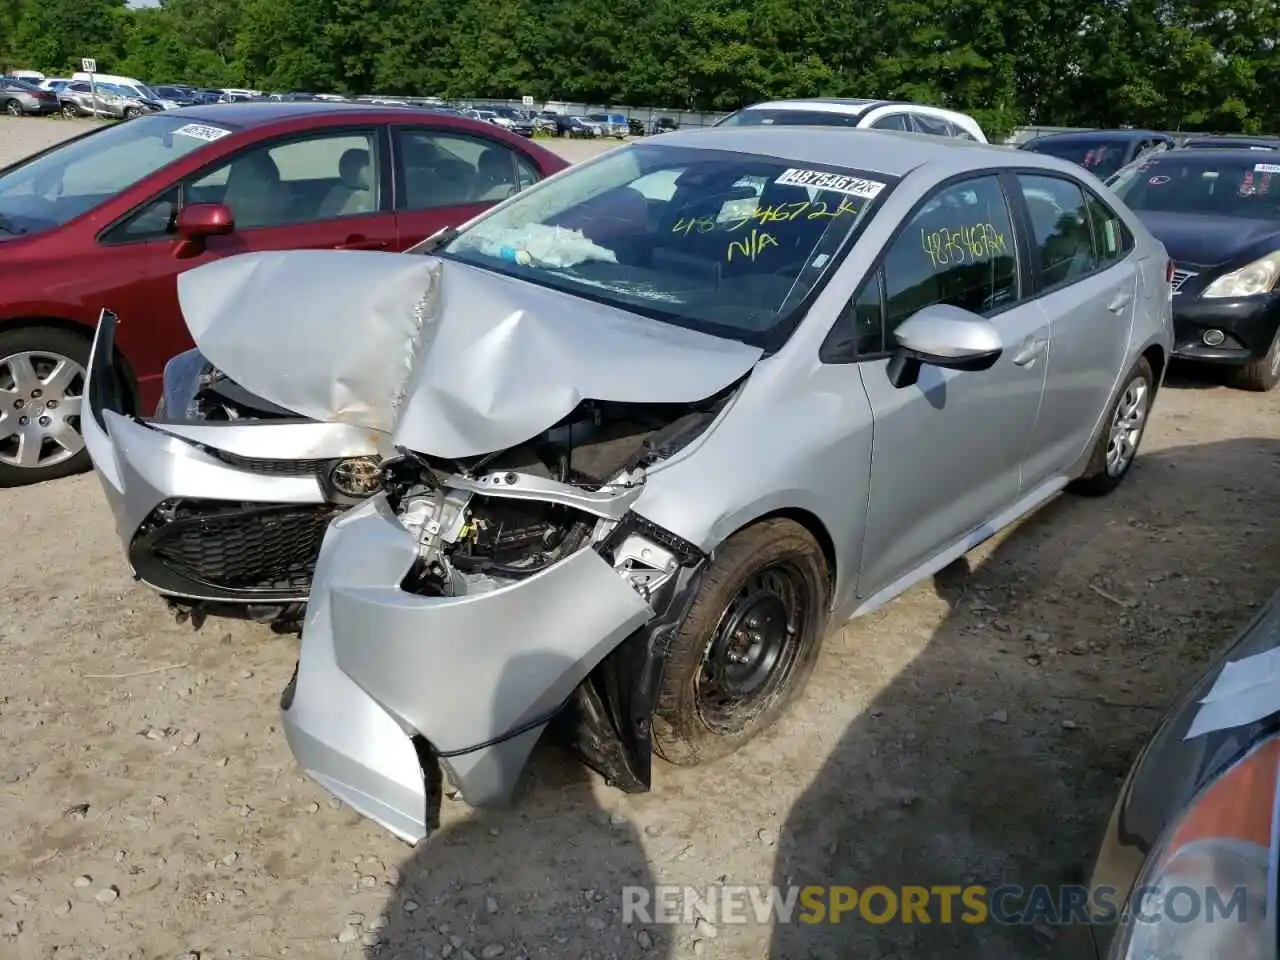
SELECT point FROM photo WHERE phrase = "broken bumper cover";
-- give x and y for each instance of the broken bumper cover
(386, 679)
(221, 512)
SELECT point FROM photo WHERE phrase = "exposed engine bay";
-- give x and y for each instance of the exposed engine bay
(494, 519)
(218, 398)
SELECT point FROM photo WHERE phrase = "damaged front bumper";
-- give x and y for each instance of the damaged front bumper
(221, 516)
(388, 679)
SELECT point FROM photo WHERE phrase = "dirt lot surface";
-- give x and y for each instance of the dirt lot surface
(972, 731)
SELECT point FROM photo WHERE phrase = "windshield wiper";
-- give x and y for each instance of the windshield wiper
(9, 227)
(435, 241)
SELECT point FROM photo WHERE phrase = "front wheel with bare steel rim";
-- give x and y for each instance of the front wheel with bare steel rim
(747, 646)
(1122, 433)
(42, 376)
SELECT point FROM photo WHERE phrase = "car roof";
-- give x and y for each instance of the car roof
(1209, 154)
(257, 112)
(889, 152)
(1067, 136)
(1243, 141)
(822, 105)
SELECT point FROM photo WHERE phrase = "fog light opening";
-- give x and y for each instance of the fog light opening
(1213, 338)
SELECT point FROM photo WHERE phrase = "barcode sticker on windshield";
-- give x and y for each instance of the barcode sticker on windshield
(1266, 167)
(835, 182)
(202, 131)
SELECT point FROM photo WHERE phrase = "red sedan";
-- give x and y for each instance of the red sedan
(112, 217)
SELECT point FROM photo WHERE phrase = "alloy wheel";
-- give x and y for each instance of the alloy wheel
(13, 108)
(41, 394)
(1127, 425)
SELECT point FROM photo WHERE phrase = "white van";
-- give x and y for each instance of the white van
(31, 76)
(131, 85)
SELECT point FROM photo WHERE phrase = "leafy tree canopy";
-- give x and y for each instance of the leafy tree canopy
(1168, 64)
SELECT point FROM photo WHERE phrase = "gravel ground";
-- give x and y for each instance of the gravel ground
(972, 731)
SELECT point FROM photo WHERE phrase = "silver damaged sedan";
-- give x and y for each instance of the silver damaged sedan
(668, 418)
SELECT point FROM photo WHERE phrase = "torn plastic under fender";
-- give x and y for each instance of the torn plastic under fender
(452, 360)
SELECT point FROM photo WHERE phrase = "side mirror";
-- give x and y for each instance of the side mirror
(199, 220)
(943, 336)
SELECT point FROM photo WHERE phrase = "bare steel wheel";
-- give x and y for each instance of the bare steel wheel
(747, 644)
(753, 647)
(42, 376)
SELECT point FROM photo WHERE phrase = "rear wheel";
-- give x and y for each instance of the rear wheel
(1117, 447)
(13, 108)
(1263, 374)
(747, 646)
(42, 376)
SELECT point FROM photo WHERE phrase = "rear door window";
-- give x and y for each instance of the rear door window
(1064, 245)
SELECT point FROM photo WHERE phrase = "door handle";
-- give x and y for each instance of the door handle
(1030, 349)
(1121, 301)
(358, 242)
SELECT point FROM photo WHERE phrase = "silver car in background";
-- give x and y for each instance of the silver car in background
(668, 418)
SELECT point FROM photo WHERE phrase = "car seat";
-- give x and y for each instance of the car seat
(495, 176)
(354, 191)
(253, 190)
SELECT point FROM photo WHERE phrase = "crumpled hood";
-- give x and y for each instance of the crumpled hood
(453, 361)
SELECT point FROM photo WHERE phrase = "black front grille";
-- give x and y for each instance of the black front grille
(235, 550)
(269, 468)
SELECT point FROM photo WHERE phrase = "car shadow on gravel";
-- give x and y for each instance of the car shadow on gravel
(995, 756)
(506, 883)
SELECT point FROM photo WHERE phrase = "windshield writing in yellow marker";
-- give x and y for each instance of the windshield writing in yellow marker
(701, 224)
(751, 245)
(784, 212)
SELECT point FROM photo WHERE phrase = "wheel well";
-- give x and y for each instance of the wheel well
(127, 376)
(1154, 356)
(815, 527)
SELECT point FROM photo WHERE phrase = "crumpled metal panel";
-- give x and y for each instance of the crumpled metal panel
(327, 334)
(452, 360)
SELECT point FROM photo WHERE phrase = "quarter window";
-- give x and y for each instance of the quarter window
(894, 121)
(1111, 239)
(958, 249)
(447, 170)
(1064, 248)
(296, 181)
(154, 221)
(935, 126)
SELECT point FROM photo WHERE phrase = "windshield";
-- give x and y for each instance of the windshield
(752, 117)
(53, 188)
(1230, 187)
(727, 243)
(1100, 157)
(13, 83)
